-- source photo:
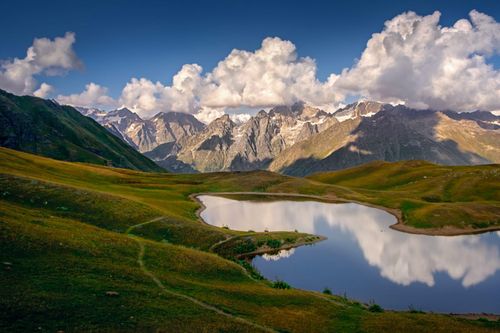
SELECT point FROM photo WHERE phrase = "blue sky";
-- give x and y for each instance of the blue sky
(424, 60)
(117, 40)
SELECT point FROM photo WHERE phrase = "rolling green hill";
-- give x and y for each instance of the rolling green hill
(46, 128)
(448, 199)
(90, 248)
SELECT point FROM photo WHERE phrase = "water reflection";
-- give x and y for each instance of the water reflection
(277, 256)
(401, 257)
(357, 236)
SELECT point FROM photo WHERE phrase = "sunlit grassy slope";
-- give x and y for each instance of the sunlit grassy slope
(429, 195)
(45, 128)
(64, 244)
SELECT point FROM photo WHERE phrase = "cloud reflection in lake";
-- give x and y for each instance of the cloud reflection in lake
(402, 258)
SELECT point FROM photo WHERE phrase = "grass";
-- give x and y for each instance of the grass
(63, 228)
(455, 198)
(42, 127)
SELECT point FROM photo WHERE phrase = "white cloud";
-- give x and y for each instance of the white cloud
(45, 57)
(43, 91)
(148, 98)
(417, 61)
(207, 115)
(413, 60)
(94, 95)
(272, 75)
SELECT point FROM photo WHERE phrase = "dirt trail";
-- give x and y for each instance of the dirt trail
(140, 261)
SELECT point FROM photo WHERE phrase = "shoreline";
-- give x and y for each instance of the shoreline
(283, 247)
(398, 226)
(194, 197)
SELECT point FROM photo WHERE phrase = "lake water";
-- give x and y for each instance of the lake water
(366, 260)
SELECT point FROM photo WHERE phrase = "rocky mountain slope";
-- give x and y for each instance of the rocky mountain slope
(223, 145)
(300, 139)
(145, 135)
(46, 128)
(394, 134)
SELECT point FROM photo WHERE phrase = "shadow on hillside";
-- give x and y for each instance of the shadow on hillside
(391, 135)
(240, 163)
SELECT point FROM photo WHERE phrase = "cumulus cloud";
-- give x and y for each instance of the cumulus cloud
(43, 91)
(94, 95)
(417, 61)
(207, 115)
(272, 75)
(147, 98)
(413, 60)
(44, 57)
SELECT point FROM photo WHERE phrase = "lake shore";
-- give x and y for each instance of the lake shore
(399, 226)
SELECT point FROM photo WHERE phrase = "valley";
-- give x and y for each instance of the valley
(56, 214)
(265, 166)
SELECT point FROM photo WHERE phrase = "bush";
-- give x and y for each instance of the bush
(273, 243)
(279, 284)
(375, 308)
(246, 246)
(327, 291)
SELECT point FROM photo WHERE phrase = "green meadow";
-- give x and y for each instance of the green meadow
(91, 248)
(430, 198)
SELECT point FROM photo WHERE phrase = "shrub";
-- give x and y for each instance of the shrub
(327, 291)
(375, 308)
(279, 284)
(273, 243)
(246, 246)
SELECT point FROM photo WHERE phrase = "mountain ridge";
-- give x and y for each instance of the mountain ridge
(44, 127)
(299, 139)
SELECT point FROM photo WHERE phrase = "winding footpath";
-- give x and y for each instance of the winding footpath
(140, 261)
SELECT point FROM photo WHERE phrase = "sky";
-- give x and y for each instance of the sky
(434, 54)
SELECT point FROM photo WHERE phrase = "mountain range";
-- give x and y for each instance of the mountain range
(301, 139)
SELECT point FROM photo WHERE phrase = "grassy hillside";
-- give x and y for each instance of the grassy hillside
(428, 195)
(45, 128)
(86, 248)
